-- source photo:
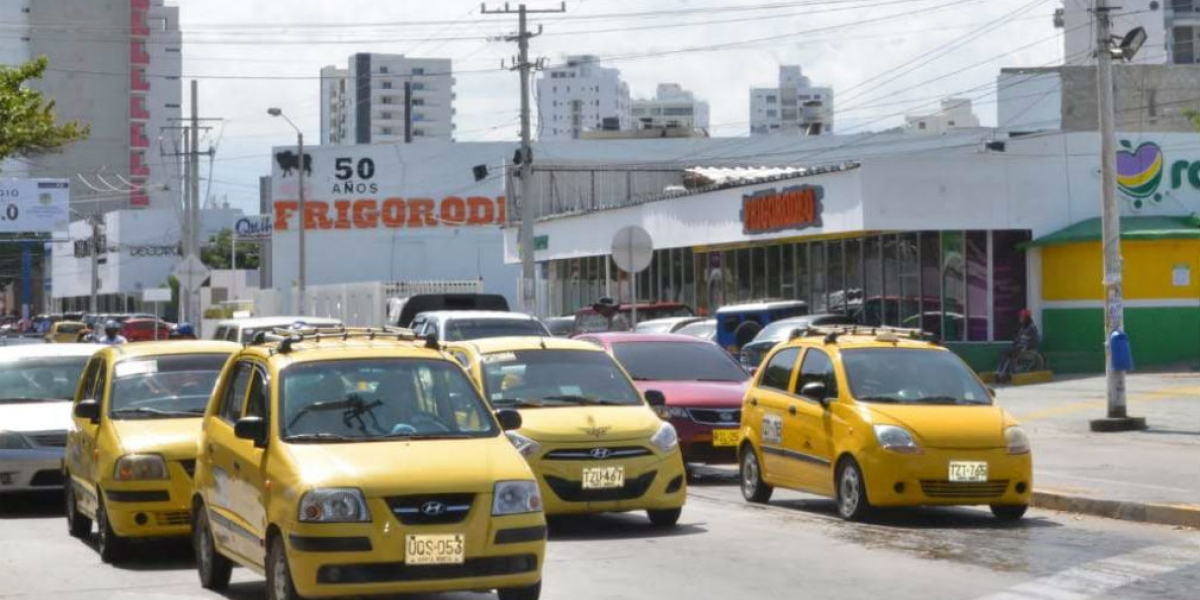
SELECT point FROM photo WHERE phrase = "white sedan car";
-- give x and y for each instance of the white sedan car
(37, 384)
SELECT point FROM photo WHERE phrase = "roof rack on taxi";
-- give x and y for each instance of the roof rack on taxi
(884, 333)
(287, 337)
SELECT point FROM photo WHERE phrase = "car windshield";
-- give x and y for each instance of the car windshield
(779, 330)
(703, 329)
(556, 378)
(677, 361)
(40, 379)
(164, 386)
(477, 329)
(911, 376)
(380, 399)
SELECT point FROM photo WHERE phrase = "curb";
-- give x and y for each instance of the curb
(1162, 514)
(1033, 377)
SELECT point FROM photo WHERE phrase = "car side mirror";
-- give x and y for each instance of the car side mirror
(655, 398)
(88, 409)
(510, 420)
(992, 392)
(253, 429)
(815, 390)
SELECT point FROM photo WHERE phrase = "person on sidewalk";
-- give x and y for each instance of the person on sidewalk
(607, 308)
(1027, 340)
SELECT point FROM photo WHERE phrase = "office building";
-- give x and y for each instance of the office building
(671, 108)
(365, 103)
(792, 107)
(580, 95)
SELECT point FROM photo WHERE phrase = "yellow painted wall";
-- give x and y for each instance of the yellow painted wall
(1076, 271)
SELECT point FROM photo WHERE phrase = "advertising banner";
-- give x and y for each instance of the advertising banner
(34, 205)
(253, 228)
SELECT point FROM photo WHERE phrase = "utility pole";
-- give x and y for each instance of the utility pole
(93, 305)
(194, 206)
(525, 197)
(408, 104)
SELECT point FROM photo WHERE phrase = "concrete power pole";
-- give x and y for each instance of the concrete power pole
(93, 304)
(522, 37)
(193, 216)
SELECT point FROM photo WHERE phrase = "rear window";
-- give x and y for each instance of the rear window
(476, 329)
(677, 361)
(164, 386)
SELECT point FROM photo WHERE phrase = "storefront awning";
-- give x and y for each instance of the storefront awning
(1132, 229)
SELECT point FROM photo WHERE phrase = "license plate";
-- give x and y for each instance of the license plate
(968, 471)
(726, 437)
(602, 478)
(447, 549)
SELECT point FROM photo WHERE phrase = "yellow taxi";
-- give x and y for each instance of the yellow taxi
(131, 449)
(593, 442)
(358, 462)
(67, 332)
(877, 417)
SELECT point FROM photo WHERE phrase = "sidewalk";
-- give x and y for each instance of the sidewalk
(1151, 475)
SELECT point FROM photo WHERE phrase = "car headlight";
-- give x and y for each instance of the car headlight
(526, 446)
(665, 438)
(516, 497)
(334, 505)
(11, 440)
(672, 412)
(140, 467)
(896, 439)
(1016, 440)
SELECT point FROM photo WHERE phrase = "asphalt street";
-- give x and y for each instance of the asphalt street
(724, 549)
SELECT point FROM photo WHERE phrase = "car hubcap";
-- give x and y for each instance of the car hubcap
(281, 575)
(749, 474)
(849, 490)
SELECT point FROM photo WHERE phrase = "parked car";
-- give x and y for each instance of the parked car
(746, 320)
(702, 384)
(560, 326)
(144, 330)
(705, 329)
(588, 320)
(36, 387)
(243, 331)
(402, 311)
(667, 325)
(753, 353)
(458, 325)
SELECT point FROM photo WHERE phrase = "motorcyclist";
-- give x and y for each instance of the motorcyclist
(112, 335)
(1027, 339)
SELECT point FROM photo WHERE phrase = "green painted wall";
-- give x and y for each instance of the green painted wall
(1073, 339)
(980, 356)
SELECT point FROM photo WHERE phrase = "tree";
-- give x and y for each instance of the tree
(215, 254)
(27, 123)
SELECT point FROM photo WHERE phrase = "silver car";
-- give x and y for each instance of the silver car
(37, 383)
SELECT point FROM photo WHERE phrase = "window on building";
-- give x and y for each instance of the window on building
(774, 271)
(387, 100)
(930, 318)
(730, 267)
(418, 70)
(387, 85)
(758, 273)
(418, 133)
(977, 286)
(874, 302)
(383, 69)
(908, 252)
(772, 113)
(921, 125)
(417, 86)
(954, 292)
(771, 99)
(820, 299)
(1008, 282)
(418, 102)
(387, 131)
(386, 116)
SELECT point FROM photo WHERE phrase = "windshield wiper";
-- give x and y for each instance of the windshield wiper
(422, 436)
(881, 399)
(518, 403)
(155, 412)
(945, 400)
(584, 400)
(320, 437)
(352, 403)
(31, 400)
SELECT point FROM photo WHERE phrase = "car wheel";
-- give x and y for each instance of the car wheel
(1009, 512)
(532, 592)
(852, 500)
(113, 548)
(279, 575)
(215, 570)
(664, 518)
(754, 489)
(78, 525)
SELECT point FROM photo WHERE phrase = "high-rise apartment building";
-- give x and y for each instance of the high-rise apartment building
(365, 102)
(1172, 30)
(116, 67)
(793, 106)
(580, 95)
(671, 108)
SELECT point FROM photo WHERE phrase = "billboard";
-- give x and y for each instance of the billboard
(253, 228)
(34, 205)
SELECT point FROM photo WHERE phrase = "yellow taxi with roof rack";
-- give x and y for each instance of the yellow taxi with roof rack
(131, 449)
(877, 417)
(595, 445)
(360, 462)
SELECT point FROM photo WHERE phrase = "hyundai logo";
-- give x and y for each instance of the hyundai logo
(600, 453)
(725, 416)
(433, 508)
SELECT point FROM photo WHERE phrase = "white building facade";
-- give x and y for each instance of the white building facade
(365, 103)
(672, 107)
(581, 95)
(794, 106)
(955, 113)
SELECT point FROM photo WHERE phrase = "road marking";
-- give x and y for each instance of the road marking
(1103, 576)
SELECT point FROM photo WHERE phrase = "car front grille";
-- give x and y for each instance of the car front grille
(597, 453)
(955, 489)
(174, 517)
(53, 439)
(489, 566)
(572, 491)
(431, 509)
(716, 416)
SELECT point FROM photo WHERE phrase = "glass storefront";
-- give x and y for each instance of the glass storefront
(959, 285)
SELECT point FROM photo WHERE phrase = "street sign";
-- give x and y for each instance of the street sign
(156, 295)
(632, 249)
(191, 273)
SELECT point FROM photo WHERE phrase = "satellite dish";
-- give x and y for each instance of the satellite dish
(632, 249)
(1132, 42)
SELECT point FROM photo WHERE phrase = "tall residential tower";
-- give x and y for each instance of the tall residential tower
(365, 102)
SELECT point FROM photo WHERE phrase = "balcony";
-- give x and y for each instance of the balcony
(138, 82)
(137, 165)
(138, 54)
(137, 108)
(137, 136)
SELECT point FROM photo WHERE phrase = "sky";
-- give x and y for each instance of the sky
(884, 58)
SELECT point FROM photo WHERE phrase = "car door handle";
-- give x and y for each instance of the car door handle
(792, 410)
(754, 402)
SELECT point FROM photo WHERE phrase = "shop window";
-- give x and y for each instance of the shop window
(662, 275)
(908, 252)
(573, 291)
(729, 268)
(679, 274)
(954, 290)
(1008, 282)
(803, 287)
(835, 277)
(689, 277)
(774, 272)
(930, 318)
(787, 271)
(645, 288)
(820, 299)
(758, 277)
(853, 257)
(977, 286)
(875, 302)
(745, 275)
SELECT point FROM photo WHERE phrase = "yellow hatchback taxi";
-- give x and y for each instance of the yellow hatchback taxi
(593, 442)
(362, 463)
(132, 448)
(878, 417)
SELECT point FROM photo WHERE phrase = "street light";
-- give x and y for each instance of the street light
(278, 112)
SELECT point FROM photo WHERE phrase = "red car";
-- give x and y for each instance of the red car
(703, 385)
(142, 330)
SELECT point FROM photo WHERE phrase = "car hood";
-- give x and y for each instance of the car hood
(699, 394)
(35, 416)
(409, 467)
(589, 423)
(950, 427)
(175, 439)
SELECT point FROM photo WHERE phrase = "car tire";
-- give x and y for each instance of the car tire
(78, 526)
(112, 547)
(754, 489)
(1009, 512)
(214, 568)
(530, 592)
(852, 502)
(664, 518)
(280, 585)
